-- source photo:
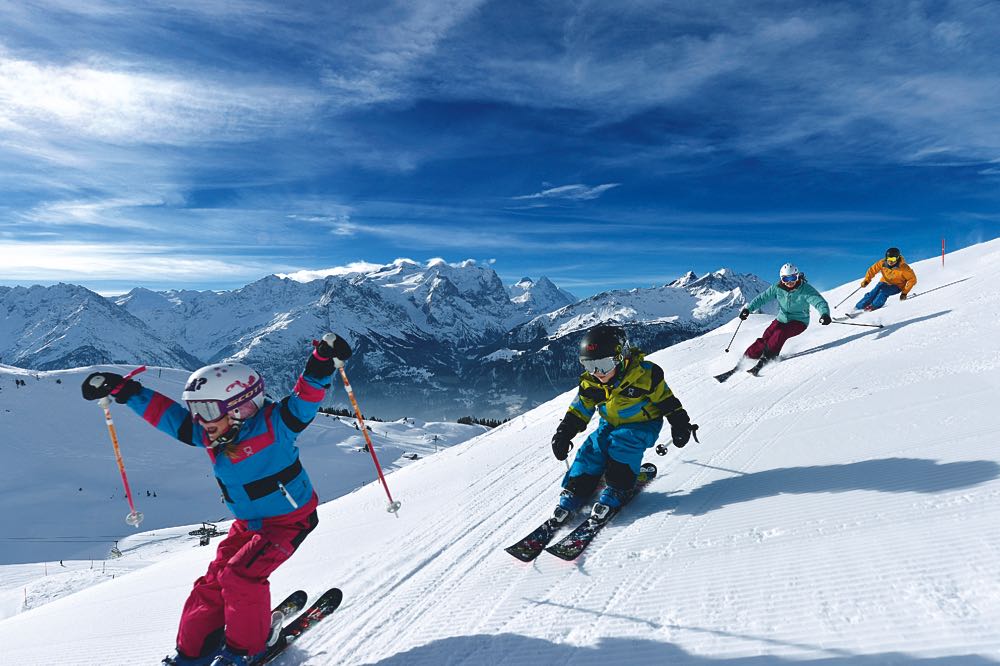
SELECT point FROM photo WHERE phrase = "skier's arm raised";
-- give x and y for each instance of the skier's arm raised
(155, 408)
(299, 409)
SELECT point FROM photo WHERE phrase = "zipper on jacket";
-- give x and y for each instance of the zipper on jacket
(287, 495)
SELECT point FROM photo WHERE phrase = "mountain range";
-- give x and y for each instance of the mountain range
(435, 340)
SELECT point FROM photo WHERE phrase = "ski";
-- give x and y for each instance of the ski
(727, 374)
(532, 545)
(321, 608)
(574, 543)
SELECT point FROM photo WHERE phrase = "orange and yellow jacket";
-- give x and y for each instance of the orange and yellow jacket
(901, 275)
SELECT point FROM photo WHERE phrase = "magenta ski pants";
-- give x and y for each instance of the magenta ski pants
(234, 593)
(775, 336)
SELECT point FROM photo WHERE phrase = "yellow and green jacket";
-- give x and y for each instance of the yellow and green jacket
(638, 394)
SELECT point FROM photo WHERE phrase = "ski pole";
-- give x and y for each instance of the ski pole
(846, 297)
(851, 323)
(393, 504)
(734, 335)
(134, 517)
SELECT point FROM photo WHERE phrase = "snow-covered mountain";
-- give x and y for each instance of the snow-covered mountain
(840, 509)
(61, 492)
(65, 326)
(538, 358)
(437, 339)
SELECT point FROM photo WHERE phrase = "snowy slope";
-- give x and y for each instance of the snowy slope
(61, 492)
(841, 508)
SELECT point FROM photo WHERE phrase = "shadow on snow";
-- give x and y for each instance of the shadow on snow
(888, 475)
(879, 333)
(517, 650)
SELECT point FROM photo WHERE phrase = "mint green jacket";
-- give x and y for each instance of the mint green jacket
(792, 304)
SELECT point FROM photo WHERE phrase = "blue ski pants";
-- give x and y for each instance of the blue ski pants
(625, 444)
(876, 297)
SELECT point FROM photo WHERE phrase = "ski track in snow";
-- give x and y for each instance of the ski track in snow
(840, 508)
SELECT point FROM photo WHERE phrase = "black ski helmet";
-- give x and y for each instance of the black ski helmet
(603, 341)
(892, 252)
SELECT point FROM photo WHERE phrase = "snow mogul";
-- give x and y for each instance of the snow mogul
(226, 620)
(633, 399)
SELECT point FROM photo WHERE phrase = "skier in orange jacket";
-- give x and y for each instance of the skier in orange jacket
(897, 278)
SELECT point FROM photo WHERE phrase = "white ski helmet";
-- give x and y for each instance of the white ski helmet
(789, 269)
(224, 388)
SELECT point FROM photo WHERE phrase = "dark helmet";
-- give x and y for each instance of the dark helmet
(603, 341)
(892, 255)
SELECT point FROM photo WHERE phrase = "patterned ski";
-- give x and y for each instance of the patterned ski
(532, 545)
(574, 543)
(321, 608)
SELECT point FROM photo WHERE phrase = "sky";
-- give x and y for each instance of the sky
(205, 144)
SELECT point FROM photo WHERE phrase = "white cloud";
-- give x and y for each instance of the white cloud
(113, 102)
(77, 262)
(310, 275)
(571, 192)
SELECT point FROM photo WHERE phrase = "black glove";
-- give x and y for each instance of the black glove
(329, 354)
(744, 313)
(902, 296)
(680, 428)
(99, 385)
(562, 441)
(824, 319)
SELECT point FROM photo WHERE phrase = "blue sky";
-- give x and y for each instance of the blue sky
(605, 145)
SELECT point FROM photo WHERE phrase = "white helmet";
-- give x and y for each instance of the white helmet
(789, 269)
(225, 388)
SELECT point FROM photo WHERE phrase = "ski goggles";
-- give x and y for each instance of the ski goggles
(207, 411)
(599, 365)
(892, 260)
(789, 279)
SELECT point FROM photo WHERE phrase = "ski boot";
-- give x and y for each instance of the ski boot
(178, 659)
(569, 503)
(230, 658)
(610, 498)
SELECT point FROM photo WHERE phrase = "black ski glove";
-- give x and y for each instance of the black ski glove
(824, 319)
(680, 428)
(902, 296)
(744, 313)
(99, 385)
(329, 354)
(562, 441)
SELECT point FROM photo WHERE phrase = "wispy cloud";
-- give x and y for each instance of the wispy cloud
(576, 192)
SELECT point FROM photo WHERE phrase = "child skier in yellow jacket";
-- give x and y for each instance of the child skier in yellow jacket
(633, 399)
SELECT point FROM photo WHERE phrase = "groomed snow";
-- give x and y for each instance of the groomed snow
(841, 508)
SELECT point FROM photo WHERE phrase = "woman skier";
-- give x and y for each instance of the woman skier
(794, 296)
(250, 440)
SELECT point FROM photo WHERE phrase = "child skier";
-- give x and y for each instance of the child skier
(633, 400)
(226, 619)
(794, 296)
(897, 278)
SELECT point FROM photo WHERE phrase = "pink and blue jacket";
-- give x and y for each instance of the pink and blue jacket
(265, 478)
